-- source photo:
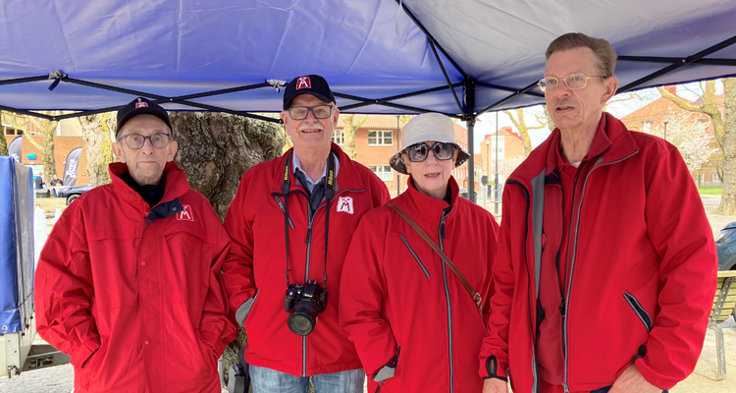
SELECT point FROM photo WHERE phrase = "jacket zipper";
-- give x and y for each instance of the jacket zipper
(579, 208)
(532, 279)
(639, 310)
(306, 270)
(306, 277)
(447, 298)
(416, 257)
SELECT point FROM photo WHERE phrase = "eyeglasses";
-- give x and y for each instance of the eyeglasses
(136, 141)
(572, 81)
(418, 152)
(301, 112)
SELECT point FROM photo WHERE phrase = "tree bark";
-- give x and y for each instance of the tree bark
(215, 149)
(728, 197)
(3, 142)
(49, 161)
(97, 138)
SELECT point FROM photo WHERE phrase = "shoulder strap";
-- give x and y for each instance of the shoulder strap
(473, 294)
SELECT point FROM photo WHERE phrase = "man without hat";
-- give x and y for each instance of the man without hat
(129, 281)
(290, 222)
(606, 268)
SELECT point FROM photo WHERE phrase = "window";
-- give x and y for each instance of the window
(716, 177)
(383, 172)
(338, 137)
(380, 138)
(12, 131)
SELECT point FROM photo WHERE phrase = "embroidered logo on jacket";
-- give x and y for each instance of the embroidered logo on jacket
(345, 204)
(185, 214)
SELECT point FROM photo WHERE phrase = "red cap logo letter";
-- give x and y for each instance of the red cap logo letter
(141, 104)
(303, 83)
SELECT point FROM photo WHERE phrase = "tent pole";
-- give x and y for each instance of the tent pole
(470, 122)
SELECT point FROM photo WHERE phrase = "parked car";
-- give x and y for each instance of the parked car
(71, 192)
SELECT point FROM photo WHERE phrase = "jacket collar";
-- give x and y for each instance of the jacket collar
(176, 183)
(423, 207)
(612, 142)
(346, 176)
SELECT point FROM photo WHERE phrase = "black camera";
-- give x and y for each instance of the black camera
(304, 302)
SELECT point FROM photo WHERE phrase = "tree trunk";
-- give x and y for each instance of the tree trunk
(728, 197)
(3, 142)
(49, 161)
(215, 150)
(348, 134)
(97, 139)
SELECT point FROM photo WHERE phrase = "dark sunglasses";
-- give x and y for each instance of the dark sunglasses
(418, 152)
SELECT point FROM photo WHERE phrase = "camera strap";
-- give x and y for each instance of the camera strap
(473, 294)
(330, 187)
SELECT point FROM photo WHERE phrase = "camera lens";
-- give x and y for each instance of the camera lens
(301, 324)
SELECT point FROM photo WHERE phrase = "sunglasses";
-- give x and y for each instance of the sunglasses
(418, 152)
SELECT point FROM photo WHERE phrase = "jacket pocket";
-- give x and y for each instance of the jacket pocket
(639, 310)
(416, 258)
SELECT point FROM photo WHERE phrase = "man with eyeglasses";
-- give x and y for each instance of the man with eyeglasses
(129, 282)
(291, 221)
(605, 255)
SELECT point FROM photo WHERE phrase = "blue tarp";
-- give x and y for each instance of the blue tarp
(16, 245)
(371, 51)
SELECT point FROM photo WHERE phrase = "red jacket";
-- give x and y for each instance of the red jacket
(256, 263)
(134, 294)
(642, 266)
(398, 297)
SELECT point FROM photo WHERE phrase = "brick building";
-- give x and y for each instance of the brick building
(665, 119)
(67, 137)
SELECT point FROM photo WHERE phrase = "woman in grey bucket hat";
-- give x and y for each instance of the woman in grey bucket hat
(425, 129)
(405, 309)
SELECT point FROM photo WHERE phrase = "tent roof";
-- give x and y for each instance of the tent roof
(371, 51)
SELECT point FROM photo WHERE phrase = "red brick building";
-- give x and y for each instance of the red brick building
(67, 137)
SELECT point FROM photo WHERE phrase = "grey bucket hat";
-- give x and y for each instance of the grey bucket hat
(424, 128)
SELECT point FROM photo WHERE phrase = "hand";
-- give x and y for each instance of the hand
(631, 381)
(494, 385)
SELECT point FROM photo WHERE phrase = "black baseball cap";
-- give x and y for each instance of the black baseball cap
(141, 106)
(308, 84)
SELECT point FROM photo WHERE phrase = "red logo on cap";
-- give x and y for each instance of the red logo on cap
(303, 83)
(141, 104)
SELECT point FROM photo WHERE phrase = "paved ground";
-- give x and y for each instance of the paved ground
(60, 379)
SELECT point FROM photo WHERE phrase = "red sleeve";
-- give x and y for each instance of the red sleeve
(63, 289)
(361, 298)
(216, 328)
(494, 351)
(687, 272)
(238, 264)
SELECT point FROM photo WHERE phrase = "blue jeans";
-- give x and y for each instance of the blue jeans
(266, 380)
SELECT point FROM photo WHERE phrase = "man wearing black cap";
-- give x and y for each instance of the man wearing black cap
(290, 223)
(128, 283)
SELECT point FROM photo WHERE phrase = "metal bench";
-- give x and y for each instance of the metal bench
(723, 305)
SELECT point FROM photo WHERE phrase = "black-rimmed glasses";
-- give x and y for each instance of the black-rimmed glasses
(298, 112)
(136, 141)
(572, 81)
(418, 152)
